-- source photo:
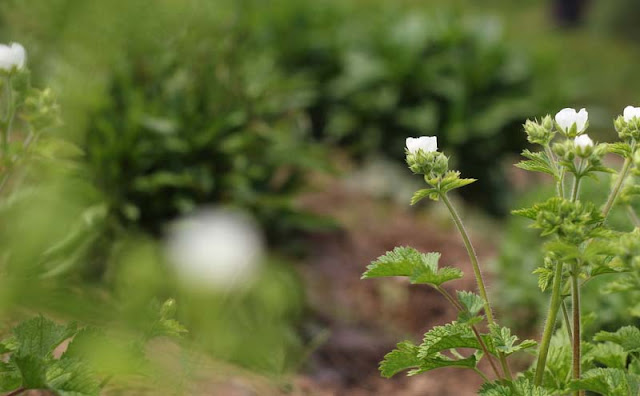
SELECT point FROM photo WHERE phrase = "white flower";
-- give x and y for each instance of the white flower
(583, 141)
(427, 144)
(215, 249)
(12, 56)
(567, 117)
(630, 113)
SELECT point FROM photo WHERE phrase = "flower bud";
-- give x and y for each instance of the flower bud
(538, 134)
(583, 146)
(628, 124)
(423, 157)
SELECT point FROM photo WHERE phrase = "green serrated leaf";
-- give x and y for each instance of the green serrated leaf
(452, 180)
(530, 213)
(520, 387)
(504, 342)
(619, 148)
(404, 357)
(627, 337)
(40, 336)
(545, 277)
(450, 336)
(33, 370)
(440, 361)
(605, 381)
(10, 378)
(401, 261)
(538, 162)
(428, 272)
(422, 194)
(472, 304)
(71, 377)
(608, 354)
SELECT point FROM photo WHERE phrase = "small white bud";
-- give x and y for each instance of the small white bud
(583, 141)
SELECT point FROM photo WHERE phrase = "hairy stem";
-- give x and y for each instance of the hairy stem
(459, 307)
(576, 188)
(560, 181)
(554, 306)
(633, 216)
(618, 186)
(567, 322)
(576, 347)
(7, 118)
(478, 274)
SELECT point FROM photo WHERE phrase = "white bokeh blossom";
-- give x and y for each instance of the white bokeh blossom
(630, 113)
(567, 117)
(12, 56)
(427, 144)
(215, 249)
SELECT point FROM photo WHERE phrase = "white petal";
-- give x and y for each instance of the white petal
(565, 118)
(6, 57)
(581, 120)
(412, 144)
(583, 141)
(630, 112)
(19, 55)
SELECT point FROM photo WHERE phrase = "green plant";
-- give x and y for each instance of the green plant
(392, 73)
(580, 246)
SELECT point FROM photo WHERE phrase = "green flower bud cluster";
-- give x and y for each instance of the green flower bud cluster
(41, 109)
(572, 221)
(540, 132)
(431, 164)
(628, 250)
(580, 147)
(628, 129)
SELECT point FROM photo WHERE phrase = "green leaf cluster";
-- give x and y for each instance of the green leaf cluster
(31, 363)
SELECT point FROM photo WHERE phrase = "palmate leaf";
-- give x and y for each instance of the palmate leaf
(608, 354)
(520, 387)
(405, 357)
(537, 162)
(401, 261)
(452, 180)
(504, 342)
(40, 336)
(472, 304)
(450, 336)
(419, 195)
(421, 268)
(627, 337)
(607, 381)
(71, 377)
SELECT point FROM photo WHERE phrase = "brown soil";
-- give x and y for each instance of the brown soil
(365, 318)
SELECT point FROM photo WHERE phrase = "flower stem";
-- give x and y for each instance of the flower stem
(554, 306)
(478, 274)
(618, 186)
(459, 307)
(567, 322)
(576, 188)
(575, 295)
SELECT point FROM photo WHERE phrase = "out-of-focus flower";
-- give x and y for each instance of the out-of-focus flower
(12, 57)
(567, 118)
(427, 144)
(215, 249)
(630, 113)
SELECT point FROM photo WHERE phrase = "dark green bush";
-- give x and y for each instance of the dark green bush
(383, 74)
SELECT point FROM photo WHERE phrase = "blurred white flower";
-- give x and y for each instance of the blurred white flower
(215, 249)
(567, 117)
(583, 141)
(427, 144)
(12, 56)
(630, 113)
